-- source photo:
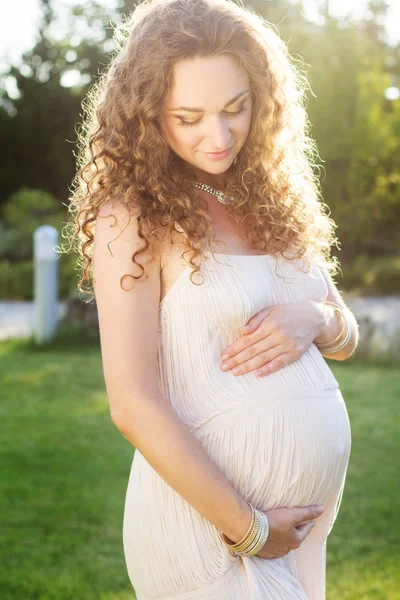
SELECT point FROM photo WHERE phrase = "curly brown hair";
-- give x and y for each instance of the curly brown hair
(123, 154)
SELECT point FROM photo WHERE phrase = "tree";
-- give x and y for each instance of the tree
(38, 128)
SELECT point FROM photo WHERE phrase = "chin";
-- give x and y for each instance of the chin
(217, 166)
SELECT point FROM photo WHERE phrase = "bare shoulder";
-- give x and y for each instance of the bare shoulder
(116, 206)
(116, 215)
(117, 234)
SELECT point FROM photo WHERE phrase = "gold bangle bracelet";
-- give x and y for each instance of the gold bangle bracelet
(246, 535)
(333, 349)
(332, 343)
(253, 543)
(260, 539)
(255, 537)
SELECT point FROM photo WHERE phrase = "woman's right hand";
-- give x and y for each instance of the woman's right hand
(288, 528)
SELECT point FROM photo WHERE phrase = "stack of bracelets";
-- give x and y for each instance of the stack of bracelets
(255, 537)
(340, 342)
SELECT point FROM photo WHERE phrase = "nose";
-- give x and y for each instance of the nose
(219, 136)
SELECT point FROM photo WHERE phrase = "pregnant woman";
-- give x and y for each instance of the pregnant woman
(200, 215)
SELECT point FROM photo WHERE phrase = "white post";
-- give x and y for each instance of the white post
(45, 238)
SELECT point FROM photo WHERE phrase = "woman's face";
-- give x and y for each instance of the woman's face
(207, 109)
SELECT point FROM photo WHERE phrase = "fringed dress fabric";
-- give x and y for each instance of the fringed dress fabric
(282, 440)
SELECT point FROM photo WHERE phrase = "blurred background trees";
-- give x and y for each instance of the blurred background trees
(353, 107)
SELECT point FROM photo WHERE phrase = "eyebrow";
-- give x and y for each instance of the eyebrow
(188, 109)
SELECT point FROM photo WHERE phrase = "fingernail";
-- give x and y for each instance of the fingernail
(320, 509)
(225, 356)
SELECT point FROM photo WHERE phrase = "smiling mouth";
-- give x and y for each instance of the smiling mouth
(217, 153)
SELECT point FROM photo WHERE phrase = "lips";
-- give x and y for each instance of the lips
(218, 153)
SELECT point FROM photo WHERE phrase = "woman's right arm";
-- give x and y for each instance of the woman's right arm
(128, 323)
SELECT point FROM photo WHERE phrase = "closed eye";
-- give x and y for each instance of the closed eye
(193, 123)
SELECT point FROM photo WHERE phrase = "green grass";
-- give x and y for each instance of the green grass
(64, 475)
(65, 469)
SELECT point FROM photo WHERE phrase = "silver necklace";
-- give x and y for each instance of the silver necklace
(221, 197)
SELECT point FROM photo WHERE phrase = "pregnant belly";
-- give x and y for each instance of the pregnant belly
(289, 450)
(285, 451)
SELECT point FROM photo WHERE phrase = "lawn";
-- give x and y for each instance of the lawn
(65, 468)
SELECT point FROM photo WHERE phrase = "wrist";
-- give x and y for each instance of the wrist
(335, 327)
(320, 320)
(239, 529)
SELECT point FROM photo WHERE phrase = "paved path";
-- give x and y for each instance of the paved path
(17, 317)
(384, 311)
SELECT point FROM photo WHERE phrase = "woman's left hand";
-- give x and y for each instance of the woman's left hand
(276, 337)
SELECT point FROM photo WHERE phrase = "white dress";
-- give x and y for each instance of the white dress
(282, 440)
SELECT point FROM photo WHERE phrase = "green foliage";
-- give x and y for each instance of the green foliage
(369, 276)
(356, 129)
(16, 278)
(39, 123)
(374, 181)
(24, 211)
(10, 241)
